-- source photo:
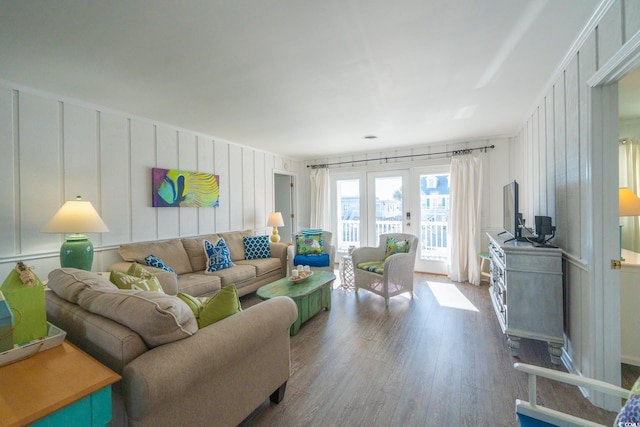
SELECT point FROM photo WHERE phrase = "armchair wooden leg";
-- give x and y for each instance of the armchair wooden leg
(278, 395)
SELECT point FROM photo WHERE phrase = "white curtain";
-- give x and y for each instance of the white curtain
(464, 218)
(629, 161)
(320, 202)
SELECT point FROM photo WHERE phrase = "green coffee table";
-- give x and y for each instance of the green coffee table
(311, 295)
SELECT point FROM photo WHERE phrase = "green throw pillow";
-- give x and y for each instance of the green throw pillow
(136, 277)
(395, 246)
(208, 310)
(309, 244)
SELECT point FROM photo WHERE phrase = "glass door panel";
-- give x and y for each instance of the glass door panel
(386, 202)
(348, 214)
(433, 188)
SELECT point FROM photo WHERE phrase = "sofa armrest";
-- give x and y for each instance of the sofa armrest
(279, 250)
(232, 362)
(167, 279)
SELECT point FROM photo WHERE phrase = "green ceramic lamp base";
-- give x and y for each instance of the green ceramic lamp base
(77, 252)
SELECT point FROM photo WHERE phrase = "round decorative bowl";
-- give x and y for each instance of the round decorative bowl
(302, 276)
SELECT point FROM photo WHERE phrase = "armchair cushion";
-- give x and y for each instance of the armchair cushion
(321, 260)
(309, 244)
(395, 246)
(372, 266)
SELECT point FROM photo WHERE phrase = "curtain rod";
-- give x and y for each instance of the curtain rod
(386, 159)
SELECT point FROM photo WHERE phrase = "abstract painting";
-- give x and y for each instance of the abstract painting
(173, 188)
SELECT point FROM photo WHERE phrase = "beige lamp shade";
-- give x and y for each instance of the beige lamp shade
(629, 202)
(76, 216)
(275, 220)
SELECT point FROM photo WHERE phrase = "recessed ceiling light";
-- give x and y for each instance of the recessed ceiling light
(370, 137)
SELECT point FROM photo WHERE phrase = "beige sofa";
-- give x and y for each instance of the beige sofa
(187, 258)
(172, 373)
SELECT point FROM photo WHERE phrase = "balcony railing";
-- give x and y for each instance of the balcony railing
(433, 236)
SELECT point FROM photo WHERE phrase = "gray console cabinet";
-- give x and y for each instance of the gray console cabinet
(526, 292)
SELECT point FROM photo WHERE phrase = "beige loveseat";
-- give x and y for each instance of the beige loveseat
(187, 258)
(174, 374)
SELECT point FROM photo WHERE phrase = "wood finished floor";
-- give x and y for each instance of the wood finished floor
(417, 363)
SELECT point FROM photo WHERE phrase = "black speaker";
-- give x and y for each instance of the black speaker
(543, 227)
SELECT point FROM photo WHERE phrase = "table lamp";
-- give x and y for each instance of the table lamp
(629, 206)
(76, 216)
(275, 220)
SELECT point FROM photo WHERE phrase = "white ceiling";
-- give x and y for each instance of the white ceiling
(299, 78)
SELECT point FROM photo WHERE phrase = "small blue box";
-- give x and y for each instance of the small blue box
(6, 325)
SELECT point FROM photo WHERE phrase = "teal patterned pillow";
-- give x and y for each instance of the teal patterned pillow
(395, 246)
(630, 413)
(256, 247)
(309, 244)
(154, 261)
(218, 256)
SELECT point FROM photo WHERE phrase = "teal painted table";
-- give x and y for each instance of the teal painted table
(62, 386)
(310, 295)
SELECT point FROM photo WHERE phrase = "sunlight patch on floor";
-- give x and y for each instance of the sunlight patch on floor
(448, 295)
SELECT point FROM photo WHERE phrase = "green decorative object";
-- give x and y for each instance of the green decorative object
(77, 252)
(24, 292)
(76, 216)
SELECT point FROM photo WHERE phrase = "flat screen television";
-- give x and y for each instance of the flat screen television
(511, 216)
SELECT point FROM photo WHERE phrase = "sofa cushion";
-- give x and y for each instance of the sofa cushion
(193, 246)
(208, 310)
(256, 247)
(170, 251)
(67, 283)
(629, 415)
(235, 242)
(262, 266)
(157, 318)
(199, 283)
(218, 256)
(236, 274)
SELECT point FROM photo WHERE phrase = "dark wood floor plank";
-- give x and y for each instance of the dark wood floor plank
(420, 362)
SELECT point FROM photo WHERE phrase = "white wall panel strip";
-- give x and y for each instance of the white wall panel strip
(236, 179)
(221, 161)
(40, 181)
(143, 159)
(248, 190)
(8, 146)
(188, 161)
(206, 216)
(167, 158)
(115, 185)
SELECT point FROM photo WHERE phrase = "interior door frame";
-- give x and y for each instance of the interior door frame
(604, 282)
(280, 204)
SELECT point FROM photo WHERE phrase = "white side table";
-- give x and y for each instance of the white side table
(346, 272)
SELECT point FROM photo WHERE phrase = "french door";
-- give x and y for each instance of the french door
(414, 201)
(432, 219)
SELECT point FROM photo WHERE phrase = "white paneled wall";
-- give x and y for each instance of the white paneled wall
(54, 149)
(560, 184)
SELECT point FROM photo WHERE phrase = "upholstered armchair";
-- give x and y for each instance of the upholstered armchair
(312, 248)
(386, 270)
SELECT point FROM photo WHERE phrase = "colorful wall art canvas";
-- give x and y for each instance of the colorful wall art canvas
(173, 187)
